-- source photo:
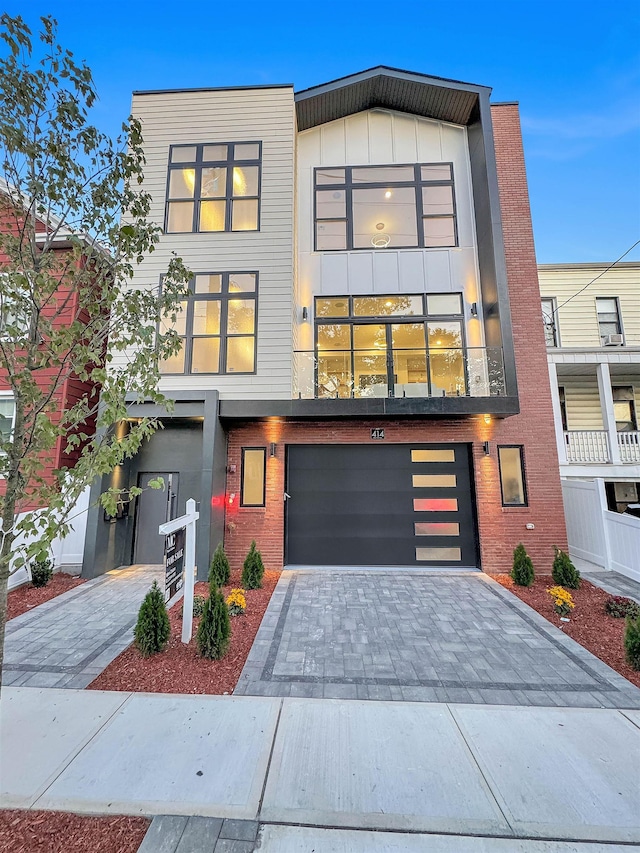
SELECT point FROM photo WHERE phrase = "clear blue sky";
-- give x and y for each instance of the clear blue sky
(574, 66)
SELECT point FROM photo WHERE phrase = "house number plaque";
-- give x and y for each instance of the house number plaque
(377, 433)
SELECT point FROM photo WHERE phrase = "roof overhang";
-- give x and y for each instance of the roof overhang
(389, 88)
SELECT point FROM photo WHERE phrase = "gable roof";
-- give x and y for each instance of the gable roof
(390, 88)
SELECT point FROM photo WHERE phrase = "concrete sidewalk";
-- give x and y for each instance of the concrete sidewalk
(559, 774)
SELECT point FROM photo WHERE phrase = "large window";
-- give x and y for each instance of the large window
(213, 187)
(609, 324)
(216, 325)
(624, 408)
(549, 318)
(390, 346)
(365, 207)
(512, 481)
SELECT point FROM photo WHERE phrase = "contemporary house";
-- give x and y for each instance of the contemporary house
(363, 379)
(591, 316)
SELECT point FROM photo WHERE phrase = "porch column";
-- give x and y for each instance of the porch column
(557, 414)
(606, 404)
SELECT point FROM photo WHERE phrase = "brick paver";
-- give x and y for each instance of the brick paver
(177, 834)
(68, 641)
(426, 637)
(614, 583)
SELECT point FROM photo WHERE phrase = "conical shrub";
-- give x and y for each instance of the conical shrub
(152, 629)
(632, 642)
(214, 629)
(564, 573)
(253, 570)
(220, 571)
(522, 571)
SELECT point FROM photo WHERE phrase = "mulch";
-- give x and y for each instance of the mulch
(26, 597)
(180, 669)
(590, 624)
(61, 832)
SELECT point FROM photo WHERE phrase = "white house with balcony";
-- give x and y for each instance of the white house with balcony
(591, 314)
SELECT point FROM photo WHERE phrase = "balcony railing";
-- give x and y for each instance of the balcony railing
(587, 446)
(629, 446)
(362, 374)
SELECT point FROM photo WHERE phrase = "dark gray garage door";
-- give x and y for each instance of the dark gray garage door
(380, 505)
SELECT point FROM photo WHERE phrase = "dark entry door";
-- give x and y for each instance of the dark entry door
(155, 506)
(386, 505)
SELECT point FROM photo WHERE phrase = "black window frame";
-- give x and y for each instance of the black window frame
(223, 297)
(353, 319)
(523, 470)
(264, 479)
(348, 186)
(618, 321)
(199, 164)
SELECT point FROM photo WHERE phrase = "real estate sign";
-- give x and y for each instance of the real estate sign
(173, 562)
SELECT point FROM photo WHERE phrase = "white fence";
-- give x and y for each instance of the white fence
(66, 553)
(608, 539)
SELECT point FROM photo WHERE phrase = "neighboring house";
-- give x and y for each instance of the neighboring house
(361, 382)
(593, 350)
(63, 310)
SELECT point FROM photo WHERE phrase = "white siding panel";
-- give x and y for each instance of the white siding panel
(335, 275)
(333, 143)
(381, 137)
(385, 272)
(357, 134)
(360, 271)
(411, 271)
(429, 145)
(438, 272)
(404, 137)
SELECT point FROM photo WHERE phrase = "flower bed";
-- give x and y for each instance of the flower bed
(61, 832)
(180, 669)
(26, 597)
(590, 624)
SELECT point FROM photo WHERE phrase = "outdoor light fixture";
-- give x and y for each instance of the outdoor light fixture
(272, 449)
(474, 309)
(487, 419)
(487, 448)
(305, 313)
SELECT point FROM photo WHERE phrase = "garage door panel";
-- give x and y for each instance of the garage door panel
(356, 505)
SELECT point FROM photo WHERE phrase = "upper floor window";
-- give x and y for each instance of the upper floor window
(608, 310)
(549, 319)
(216, 324)
(213, 187)
(624, 408)
(7, 415)
(365, 207)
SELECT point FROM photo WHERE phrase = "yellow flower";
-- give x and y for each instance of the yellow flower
(236, 602)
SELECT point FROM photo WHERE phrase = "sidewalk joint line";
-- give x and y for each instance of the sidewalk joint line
(268, 767)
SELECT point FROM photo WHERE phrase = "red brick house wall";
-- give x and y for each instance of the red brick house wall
(500, 528)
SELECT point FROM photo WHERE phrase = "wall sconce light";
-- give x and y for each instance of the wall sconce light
(474, 309)
(232, 498)
(487, 448)
(487, 419)
(305, 312)
(272, 449)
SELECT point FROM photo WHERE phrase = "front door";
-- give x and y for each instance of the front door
(155, 506)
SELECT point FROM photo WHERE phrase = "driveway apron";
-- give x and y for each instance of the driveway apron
(425, 637)
(68, 641)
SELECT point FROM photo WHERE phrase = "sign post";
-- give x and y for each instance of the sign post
(180, 563)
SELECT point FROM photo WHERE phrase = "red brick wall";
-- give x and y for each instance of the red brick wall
(500, 528)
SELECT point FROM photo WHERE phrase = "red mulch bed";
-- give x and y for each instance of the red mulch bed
(590, 624)
(180, 669)
(60, 832)
(26, 597)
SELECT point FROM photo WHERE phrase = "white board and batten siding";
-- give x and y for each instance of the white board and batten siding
(235, 115)
(382, 137)
(577, 320)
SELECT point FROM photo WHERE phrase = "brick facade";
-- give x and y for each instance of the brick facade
(500, 528)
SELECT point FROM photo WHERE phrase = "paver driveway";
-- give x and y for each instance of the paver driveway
(68, 641)
(431, 637)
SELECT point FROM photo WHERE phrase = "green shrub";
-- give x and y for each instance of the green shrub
(41, 571)
(198, 605)
(214, 629)
(564, 573)
(253, 570)
(522, 571)
(619, 606)
(632, 642)
(220, 571)
(152, 628)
